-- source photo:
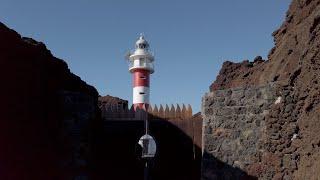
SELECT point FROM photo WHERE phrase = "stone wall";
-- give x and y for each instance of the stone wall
(234, 130)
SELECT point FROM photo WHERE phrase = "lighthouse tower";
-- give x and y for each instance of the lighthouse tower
(141, 66)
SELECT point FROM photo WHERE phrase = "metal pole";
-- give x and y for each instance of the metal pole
(146, 171)
(146, 167)
(146, 123)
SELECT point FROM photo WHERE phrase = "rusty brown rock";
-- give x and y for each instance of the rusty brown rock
(293, 68)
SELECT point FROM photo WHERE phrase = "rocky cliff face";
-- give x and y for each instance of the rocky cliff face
(45, 113)
(112, 101)
(285, 145)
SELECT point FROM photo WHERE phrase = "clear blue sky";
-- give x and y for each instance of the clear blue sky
(191, 39)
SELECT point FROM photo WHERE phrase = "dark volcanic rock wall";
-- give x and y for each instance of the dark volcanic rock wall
(233, 129)
(290, 148)
(45, 113)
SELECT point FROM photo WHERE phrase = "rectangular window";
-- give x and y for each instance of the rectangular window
(142, 93)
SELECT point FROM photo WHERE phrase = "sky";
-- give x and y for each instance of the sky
(190, 38)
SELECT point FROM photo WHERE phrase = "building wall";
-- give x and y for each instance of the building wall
(118, 155)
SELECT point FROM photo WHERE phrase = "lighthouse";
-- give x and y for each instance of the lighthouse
(141, 66)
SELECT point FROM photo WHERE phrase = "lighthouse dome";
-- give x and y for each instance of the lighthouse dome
(142, 43)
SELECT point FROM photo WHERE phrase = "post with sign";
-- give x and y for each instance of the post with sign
(149, 148)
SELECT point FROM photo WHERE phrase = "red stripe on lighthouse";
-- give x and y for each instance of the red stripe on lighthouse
(141, 77)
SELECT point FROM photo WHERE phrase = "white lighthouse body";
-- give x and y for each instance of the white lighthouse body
(141, 66)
